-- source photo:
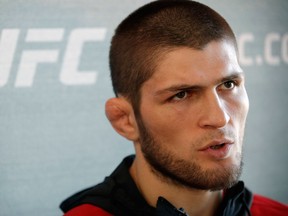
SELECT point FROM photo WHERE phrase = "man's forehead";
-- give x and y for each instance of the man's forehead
(185, 65)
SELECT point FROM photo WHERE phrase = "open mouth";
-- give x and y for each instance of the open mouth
(218, 150)
(216, 147)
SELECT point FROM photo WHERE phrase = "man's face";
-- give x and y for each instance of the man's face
(193, 112)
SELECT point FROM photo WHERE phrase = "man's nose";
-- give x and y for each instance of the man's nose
(214, 112)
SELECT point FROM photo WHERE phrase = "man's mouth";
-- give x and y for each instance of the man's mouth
(216, 147)
(217, 144)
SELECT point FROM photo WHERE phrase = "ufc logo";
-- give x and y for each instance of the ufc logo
(30, 59)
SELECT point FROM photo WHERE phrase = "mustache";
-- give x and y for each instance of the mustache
(216, 134)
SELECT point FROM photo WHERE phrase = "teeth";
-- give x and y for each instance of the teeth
(217, 146)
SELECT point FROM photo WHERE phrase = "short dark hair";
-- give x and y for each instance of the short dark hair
(144, 36)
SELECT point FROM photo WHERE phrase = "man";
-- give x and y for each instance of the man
(180, 98)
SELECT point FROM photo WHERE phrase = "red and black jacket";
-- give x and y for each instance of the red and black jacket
(118, 195)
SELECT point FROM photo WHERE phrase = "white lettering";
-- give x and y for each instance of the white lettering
(69, 74)
(30, 59)
(45, 35)
(243, 39)
(285, 48)
(8, 43)
(28, 65)
(270, 39)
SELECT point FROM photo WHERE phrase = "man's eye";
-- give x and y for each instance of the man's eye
(180, 95)
(229, 84)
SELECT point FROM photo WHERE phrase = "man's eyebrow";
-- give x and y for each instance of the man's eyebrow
(233, 76)
(183, 87)
(180, 87)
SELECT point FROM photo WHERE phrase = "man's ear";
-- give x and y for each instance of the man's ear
(121, 116)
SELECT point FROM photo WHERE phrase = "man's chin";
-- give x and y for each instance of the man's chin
(224, 177)
(195, 177)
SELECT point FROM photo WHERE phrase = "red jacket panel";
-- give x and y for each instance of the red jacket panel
(87, 210)
(264, 206)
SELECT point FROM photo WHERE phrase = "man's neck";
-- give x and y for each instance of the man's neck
(194, 202)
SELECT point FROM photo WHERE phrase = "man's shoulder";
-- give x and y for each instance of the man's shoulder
(115, 194)
(262, 205)
(98, 195)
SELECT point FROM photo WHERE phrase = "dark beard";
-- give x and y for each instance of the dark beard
(185, 173)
